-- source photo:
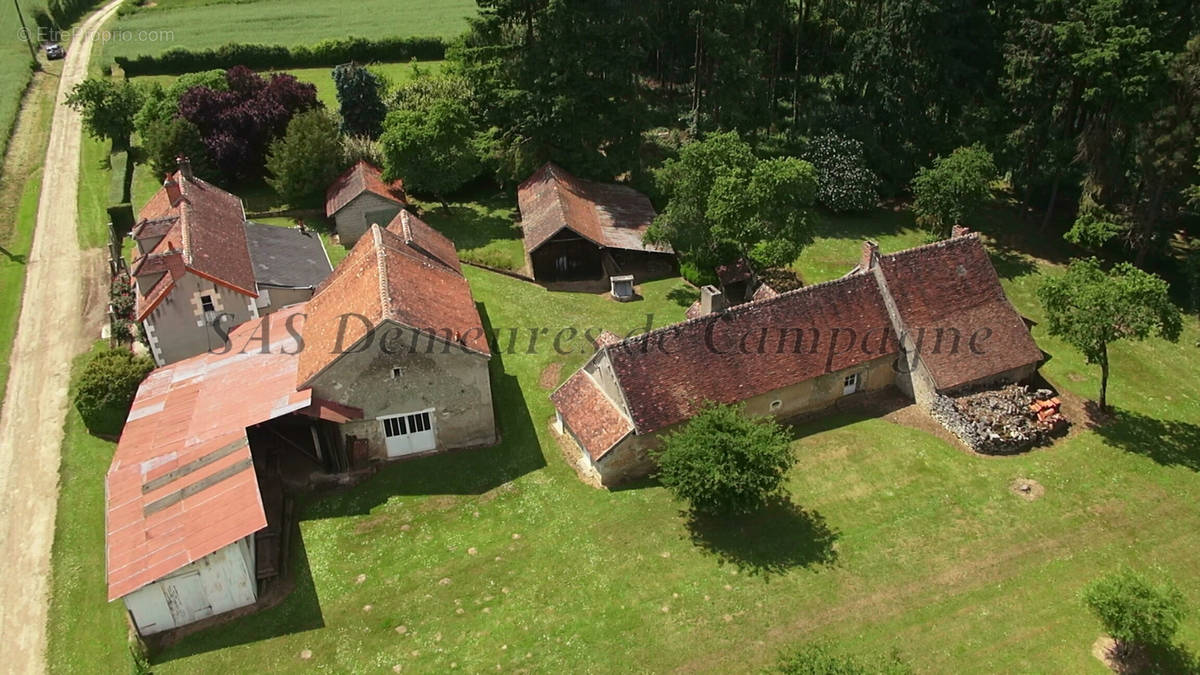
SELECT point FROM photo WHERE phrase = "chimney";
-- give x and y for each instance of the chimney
(711, 300)
(870, 255)
(185, 167)
(173, 193)
(960, 231)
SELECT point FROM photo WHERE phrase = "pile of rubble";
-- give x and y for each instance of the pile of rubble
(1001, 421)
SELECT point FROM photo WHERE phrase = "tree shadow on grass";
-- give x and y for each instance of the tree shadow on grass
(475, 225)
(1168, 442)
(298, 611)
(683, 296)
(471, 471)
(774, 540)
(1010, 263)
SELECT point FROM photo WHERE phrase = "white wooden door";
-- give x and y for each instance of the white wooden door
(850, 384)
(186, 598)
(409, 433)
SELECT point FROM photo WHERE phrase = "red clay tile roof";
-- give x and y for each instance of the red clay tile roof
(592, 418)
(609, 215)
(181, 484)
(668, 374)
(207, 224)
(384, 279)
(952, 284)
(606, 338)
(425, 240)
(360, 178)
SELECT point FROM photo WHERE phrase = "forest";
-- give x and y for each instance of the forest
(1089, 108)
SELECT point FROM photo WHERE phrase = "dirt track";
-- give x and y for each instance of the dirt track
(50, 334)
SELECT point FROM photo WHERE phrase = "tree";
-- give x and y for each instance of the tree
(1135, 612)
(359, 99)
(844, 182)
(166, 140)
(304, 161)
(434, 150)
(722, 201)
(238, 124)
(108, 108)
(1091, 309)
(107, 387)
(822, 659)
(953, 187)
(724, 463)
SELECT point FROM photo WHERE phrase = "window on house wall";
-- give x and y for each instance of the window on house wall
(209, 306)
(404, 425)
(397, 373)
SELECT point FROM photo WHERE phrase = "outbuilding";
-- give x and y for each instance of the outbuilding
(360, 198)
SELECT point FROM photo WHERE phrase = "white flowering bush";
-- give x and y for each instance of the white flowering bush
(844, 183)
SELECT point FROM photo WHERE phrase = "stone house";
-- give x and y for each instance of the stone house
(929, 320)
(202, 270)
(360, 198)
(578, 229)
(387, 360)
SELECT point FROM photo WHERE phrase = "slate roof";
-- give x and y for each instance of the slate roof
(360, 178)
(668, 374)
(608, 215)
(592, 417)
(205, 225)
(952, 284)
(385, 279)
(182, 484)
(285, 257)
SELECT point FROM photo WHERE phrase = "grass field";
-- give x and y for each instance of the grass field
(202, 24)
(897, 540)
(14, 64)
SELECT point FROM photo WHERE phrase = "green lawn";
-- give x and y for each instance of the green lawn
(94, 179)
(77, 583)
(14, 63)
(484, 227)
(897, 540)
(202, 24)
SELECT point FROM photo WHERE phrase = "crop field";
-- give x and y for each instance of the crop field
(202, 24)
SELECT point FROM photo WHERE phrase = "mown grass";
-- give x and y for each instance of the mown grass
(93, 199)
(15, 62)
(483, 225)
(896, 539)
(202, 24)
(79, 607)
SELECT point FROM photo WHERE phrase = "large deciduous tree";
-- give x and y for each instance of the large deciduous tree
(1091, 308)
(953, 187)
(723, 201)
(237, 125)
(723, 463)
(108, 108)
(434, 150)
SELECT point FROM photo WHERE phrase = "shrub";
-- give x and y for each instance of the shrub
(324, 53)
(361, 148)
(303, 162)
(724, 463)
(433, 150)
(697, 275)
(106, 389)
(821, 659)
(844, 183)
(1135, 612)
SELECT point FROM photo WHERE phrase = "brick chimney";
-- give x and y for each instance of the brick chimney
(711, 300)
(173, 192)
(185, 167)
(960, 231)
(870, 255)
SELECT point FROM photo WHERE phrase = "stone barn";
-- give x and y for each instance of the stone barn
(578, 229)
(928, 321)
(360, 198)
(387, 360)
